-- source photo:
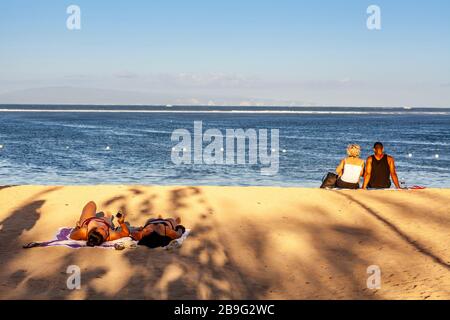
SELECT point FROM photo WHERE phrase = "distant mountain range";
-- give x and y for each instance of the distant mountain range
(77, 95)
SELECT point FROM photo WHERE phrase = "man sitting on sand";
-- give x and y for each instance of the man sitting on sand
(98, 229)
(380, 167)
(158, 232)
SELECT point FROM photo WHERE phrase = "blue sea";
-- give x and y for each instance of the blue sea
(67, 145)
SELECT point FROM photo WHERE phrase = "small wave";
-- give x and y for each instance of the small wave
(154, 131)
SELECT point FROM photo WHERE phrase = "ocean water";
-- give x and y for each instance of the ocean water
(68, 145)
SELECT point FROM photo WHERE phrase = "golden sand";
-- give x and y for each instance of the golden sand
(246, 243)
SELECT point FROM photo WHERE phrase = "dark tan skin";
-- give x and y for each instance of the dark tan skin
(379, 154)
(90, 210)
(160, 229)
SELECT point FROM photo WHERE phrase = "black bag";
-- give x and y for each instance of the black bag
(329, 180)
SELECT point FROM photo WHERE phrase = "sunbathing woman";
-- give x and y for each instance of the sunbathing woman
(158, 232)
(98, 229)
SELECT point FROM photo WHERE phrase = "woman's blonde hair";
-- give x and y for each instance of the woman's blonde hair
(353, 150)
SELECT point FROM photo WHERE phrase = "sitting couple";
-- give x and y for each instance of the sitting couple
(377, 170)
(96, 228)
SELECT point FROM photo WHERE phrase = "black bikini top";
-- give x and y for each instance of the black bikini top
(166, 222)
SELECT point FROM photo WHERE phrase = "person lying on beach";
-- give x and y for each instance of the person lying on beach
(350, 169)
(97, 229)
(379, 168)
(158, 232)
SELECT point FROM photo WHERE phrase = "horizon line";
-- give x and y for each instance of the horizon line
(168, 106)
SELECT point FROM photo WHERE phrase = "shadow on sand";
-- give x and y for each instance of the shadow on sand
(206, 266)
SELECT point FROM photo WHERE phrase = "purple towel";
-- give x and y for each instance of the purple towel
(62, 239)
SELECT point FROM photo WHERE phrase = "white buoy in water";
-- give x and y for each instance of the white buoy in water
(1, 146)
(436, 156)
(284, 150)
(410, 155)
(108, 148)
(67, 147)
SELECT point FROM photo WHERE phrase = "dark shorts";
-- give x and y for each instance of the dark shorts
(386, 185)
(346, 185)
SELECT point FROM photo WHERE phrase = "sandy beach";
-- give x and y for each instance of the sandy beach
(246, 243)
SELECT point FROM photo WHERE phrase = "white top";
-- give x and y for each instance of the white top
(351, 174)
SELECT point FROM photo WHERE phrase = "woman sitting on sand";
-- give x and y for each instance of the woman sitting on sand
(96, 229)
(350, 169)
(158, 232)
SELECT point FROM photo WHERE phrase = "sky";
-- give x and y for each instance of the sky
(226, 52)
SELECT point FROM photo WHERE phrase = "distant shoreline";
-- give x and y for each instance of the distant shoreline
(140, 105)
(226, 109)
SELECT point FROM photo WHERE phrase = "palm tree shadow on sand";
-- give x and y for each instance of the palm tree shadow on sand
(206, 267)
(204, 271)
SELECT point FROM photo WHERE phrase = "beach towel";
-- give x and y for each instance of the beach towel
(389, 189)
(62, 239)
(417, 188)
